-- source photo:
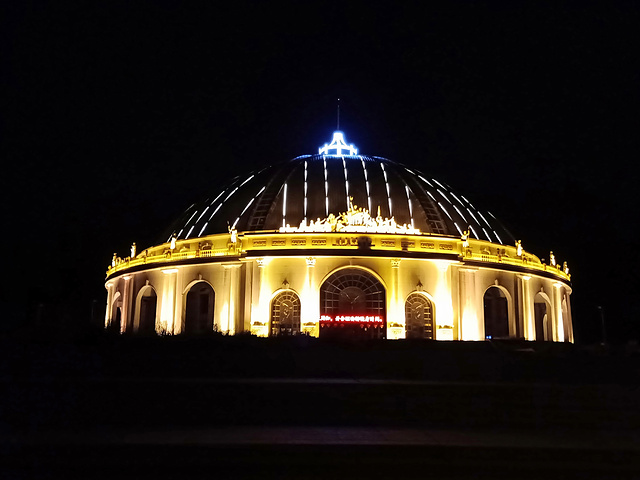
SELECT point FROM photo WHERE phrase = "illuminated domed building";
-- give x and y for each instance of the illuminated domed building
(339, 244)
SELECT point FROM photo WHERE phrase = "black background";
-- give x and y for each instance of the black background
(116, 116)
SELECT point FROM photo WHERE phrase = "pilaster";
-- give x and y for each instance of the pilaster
(525, 302)
(471, 321)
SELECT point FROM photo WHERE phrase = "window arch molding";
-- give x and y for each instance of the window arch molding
(359, 267)
(199, 316)
(284, 313)
(543, 322)
(144, 290)
(115, 310)
(510, 318)
(410, 323)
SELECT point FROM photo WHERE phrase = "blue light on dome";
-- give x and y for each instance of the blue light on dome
(338, 146)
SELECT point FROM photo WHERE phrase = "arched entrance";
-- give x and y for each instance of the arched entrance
(542, 315)
(352, 305)
(147, 309)
(199, 309)
(496, 314)
(285, 314)
(115, 323)
(418, 314)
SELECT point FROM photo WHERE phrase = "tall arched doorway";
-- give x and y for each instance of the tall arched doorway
(418, 314)
(199, 309)
(147, 309)
(496, 314)
(542, 315)
(285, 314)
(115, 323)
(352, 305)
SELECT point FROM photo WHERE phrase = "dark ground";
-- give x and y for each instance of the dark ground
(105, 406)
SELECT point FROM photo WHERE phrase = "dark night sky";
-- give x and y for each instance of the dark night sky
(115, 116)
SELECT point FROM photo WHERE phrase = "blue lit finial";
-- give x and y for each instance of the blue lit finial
(338, 146)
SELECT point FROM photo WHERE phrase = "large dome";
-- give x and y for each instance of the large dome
(312, 187)
(339, 245)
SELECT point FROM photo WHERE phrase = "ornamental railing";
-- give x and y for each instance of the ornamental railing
(127, 263)
(523, 261)
(476, 250)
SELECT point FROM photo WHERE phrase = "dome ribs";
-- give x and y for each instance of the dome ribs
(378, 189)
(357, 182)
(431, 211)
(337, 193)
(316, 205)
(320, 185)
(268, 214)
(266, 202)
(398, 194)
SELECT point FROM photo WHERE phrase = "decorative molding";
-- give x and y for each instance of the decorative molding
(354, 220)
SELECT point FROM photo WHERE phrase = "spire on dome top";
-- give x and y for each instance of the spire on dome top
(338, 146)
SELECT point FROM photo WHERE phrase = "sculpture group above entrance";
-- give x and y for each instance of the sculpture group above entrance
(355, 219)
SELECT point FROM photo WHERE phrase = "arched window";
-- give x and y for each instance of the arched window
(285, 314)
(542, 318)
(115, 322)
(199, 309)
(358, 296)
(148, 305)
(496, 314)
(418, 314)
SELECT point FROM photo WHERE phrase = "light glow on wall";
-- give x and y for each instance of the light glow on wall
(443, 301)
(310, 301)
(260, 316)
(224, 317)
(167, 308)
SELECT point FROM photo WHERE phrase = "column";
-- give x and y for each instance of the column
(247, 299)
(107, 313)
(260, 313)
(395, 318)
(471, 321)
(167, 305)
(126, 304)
(444, 302)
(558, 324)
(310, 302)
(232, 279)
(569, 320)
(526, 308)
